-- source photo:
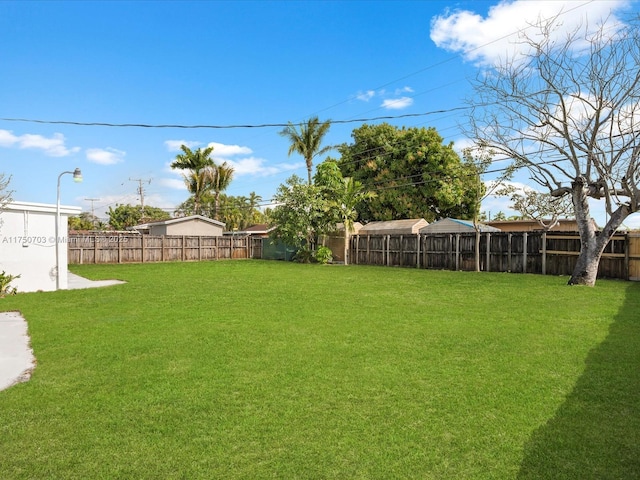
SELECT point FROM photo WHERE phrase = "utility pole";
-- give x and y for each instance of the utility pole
(93, 216)
(141, 193)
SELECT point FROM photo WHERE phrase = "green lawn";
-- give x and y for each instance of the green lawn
(252, 369)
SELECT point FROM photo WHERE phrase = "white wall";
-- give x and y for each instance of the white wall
(28, 244)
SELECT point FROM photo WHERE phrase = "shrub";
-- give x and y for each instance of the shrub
(304, 255)
(323, 255)
(5, 281)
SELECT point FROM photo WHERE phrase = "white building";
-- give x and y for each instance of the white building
(28, 244)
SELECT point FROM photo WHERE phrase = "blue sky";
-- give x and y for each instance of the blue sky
(231, 63)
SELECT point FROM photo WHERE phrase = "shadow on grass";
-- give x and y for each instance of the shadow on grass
(595, 434)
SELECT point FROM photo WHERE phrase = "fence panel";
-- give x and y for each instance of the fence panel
(519, 252)
(123, 248)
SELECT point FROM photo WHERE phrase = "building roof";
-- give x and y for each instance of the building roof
(172, 221)
(563, 225)
(394, 227)
(454, 225)
(259, 228)
(41, 207)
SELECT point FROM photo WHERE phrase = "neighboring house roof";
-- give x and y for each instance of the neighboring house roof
(260, 228)
(564, 225)
(172, 221)
(455, 225)
(394, 227)
(256, 230)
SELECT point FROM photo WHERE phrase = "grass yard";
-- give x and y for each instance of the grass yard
(252, 370)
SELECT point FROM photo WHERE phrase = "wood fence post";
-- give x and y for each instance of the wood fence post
(544, 252)
(418, 239)
(457, 252)
(509, 251)
(119, 249)
(400, 250)
(368, 249)
(488, 235)
(95, 249)
(626, 256)
(357, 249)
(524, 252)
(183, 245)
(162, 248)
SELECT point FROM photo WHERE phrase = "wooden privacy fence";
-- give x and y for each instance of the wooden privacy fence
(130, 248)
(551, 253)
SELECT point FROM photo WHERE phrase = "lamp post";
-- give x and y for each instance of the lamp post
(77, 177)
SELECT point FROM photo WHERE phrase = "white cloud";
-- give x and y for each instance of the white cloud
(106, 156)
(174, 145)
(366, 96)
(256, 166)
(400, 91)
(101, 207)
(487, 41)
(173, 183)
(397, 103)
(221, 150)
(52, 147)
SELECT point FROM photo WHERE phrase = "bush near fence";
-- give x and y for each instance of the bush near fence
(552, 253)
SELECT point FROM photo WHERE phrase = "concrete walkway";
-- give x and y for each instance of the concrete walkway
(16, 357)
(75, 282)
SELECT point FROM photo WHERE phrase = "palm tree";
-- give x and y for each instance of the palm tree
(349, 193)
(221, 176)
(307, 141)
(193, 160)
(199, 184)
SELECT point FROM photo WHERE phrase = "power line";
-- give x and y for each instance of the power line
(261, 125)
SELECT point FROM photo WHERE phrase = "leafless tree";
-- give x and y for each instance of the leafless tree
(5, 193)
(569, 112)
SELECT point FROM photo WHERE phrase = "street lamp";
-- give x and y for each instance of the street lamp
(77, 177)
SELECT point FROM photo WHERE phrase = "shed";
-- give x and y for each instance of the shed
(28, 244)
(455, 225)
(191, 225)
(394, 227)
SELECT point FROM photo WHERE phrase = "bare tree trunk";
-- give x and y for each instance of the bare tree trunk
(591, 244)
(346, 245)
(477, 249)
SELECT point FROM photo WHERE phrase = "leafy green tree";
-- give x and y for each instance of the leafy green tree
(308, 140)
(85, 221)
(124, 216)
(236, 212)
(301, 213)
(343, 195)
(413, 174)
